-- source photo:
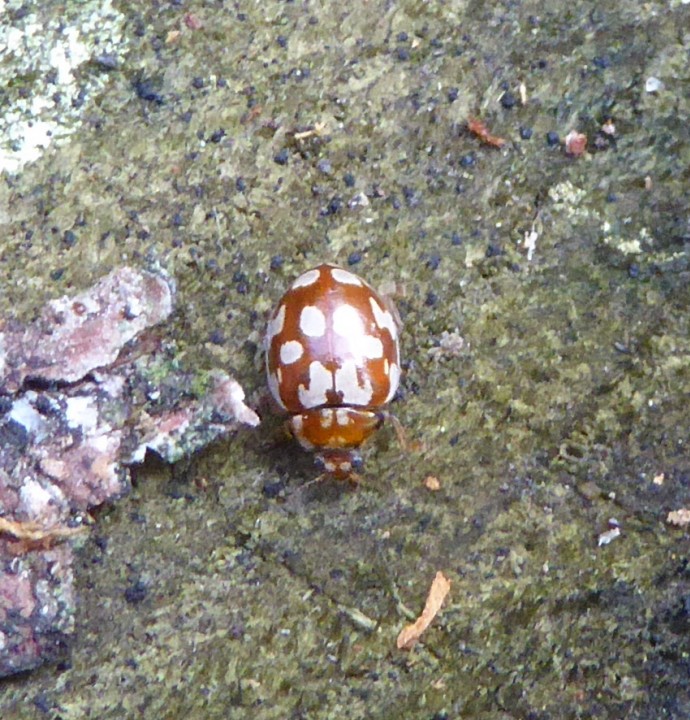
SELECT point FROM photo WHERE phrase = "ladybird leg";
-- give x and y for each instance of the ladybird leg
(399, 429)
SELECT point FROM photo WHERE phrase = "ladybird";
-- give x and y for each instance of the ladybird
(333, 363)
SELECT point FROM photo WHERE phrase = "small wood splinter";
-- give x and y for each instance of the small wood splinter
(479, 130)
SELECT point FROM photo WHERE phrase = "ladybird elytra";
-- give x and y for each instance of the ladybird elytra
(333, 363)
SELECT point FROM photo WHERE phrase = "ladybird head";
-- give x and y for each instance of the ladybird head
(341, 464)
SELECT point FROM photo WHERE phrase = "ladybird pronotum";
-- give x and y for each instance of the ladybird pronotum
(333, 363)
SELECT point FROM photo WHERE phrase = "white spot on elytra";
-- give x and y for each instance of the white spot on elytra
(291, 351)
(345, 277)
(383, 318)
(306, 279)
(275, 325)
(312, 321)
(394, 380)
(320, 382)
(347, 322)
(347, 383)
(372, 347)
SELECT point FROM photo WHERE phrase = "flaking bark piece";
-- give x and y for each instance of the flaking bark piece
(67, 439)
(440, 587)
(78, 334)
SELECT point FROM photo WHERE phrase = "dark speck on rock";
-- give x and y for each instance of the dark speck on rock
(467, 160)
(552, 139)
(601, 62)
(612, 198)
(349, 180)
(433, 261)
(57, 274)
(354, 257)
(454, 440)
(634, 271)
(69, 238)
(216, 337)
(240, 184)
(508, 100)
(493, 250)
(272, 490)
(453, 94)
(277, 262)
(402, 37)
(147, 89)
(13, 435)
(177, 220)
(431, 299)
(282, 157)
(282, 41)
(198, 83)
(324, 166)
(525, 132)
(402, 54)
(455, 239)
(136, 592)
(334, 206)
(217, 136)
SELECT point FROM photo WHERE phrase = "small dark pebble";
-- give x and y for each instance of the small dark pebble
(453, 94)
(136, 592)
(282, 41)
(454, 440)
(334, 206)
(69, 238)
(277, 262)
(467, 160)
(336, 574)
(216, 337)
(57, 274)
(272, 490)
(282, 157)
(217, 136)
(433, 261)
(455, 239)
(177, 220)
(147, 89)
(402, 37)
(525, 132)
(354, 257)
(552, 139)
(431, 299)
(601, 62)
(240, 184)
(197, 83)
(508, 100)
(493, 250)
(402, 54)
(324, 166)
(349, 180)
(612, 198)
(634, 271)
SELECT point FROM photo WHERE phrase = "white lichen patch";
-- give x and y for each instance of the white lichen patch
(568, 198)
(625, 245)
(42, 54)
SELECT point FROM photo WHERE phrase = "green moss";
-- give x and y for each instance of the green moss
(574, 371)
